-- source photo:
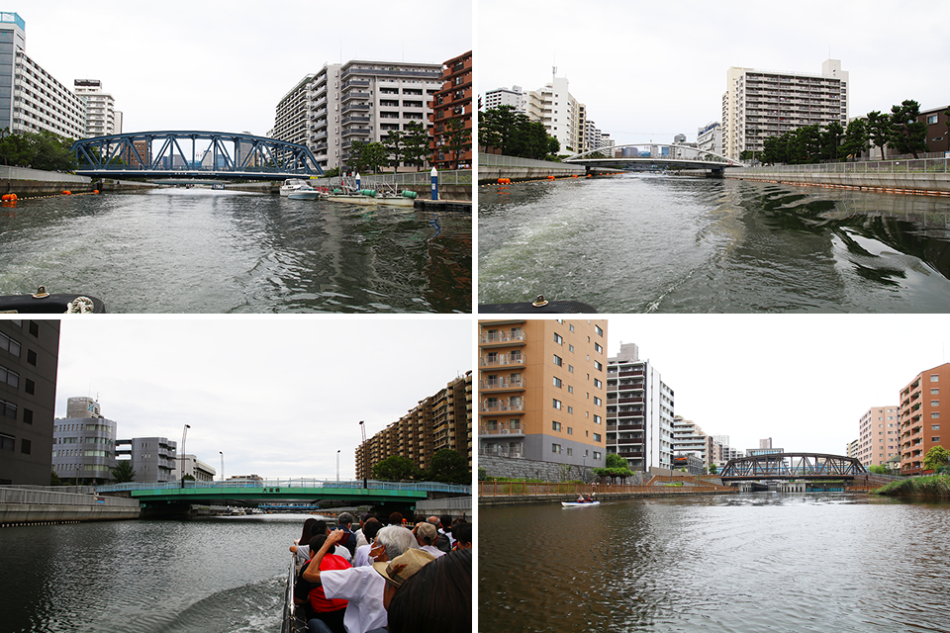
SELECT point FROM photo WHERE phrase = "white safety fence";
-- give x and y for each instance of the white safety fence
(25, 173)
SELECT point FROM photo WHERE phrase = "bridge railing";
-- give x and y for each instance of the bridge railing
(427, 486)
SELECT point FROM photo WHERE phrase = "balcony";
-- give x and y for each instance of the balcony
(498, 337)
(514, 405)
(502, 384)
(503, 360)
(501, 429)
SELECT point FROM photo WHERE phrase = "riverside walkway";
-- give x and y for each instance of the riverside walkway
(500, 493)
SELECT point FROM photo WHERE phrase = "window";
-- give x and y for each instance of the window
(570, 389)
(26, 446)
(571, 325)
(570, 348)
(598, 329)
(27, 416)
(570, 409)
(34, 329)
(30, 387)
(596, 454)
(934, 427)
(9, 377)
(8, 409)
(570, 452)
(557, 403)
(932, 119)
(570, 368)
(598, 384)
(558, 339)
(555, 426)
(598, 366)
(932, 439)
(7, 442)
(598, 348)
(555, 448)
(934, 378)
(935, 415)
(558, 361)
(10, 345)
(570, 430)
(934, 392)
(31, 357)
(596, 437)
(597, 401)
(597, 419)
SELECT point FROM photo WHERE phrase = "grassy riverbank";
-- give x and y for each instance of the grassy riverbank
(936, 487)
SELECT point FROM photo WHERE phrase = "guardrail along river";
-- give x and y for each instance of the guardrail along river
(652, 243)
(834, 563)
(204, 251)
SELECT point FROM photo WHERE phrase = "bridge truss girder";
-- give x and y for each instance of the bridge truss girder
(793, 466)
(251, 154)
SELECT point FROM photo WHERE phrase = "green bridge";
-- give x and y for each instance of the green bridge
(374, 493)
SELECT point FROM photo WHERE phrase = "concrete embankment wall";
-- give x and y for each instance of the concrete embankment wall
(492, 174)
(25, 506)
(896, 182)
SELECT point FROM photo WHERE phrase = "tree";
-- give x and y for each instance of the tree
(123, 473)
(878, 469)
(449, 467)
(457, 138)
(831, 138)
(488, 135)
(415, 144)
(616, 467)
(713, 469)
(908, 134)
(856, 140)
(937, 458)
(879, 130)
(54, 479)
(395, 468)
(396, 147)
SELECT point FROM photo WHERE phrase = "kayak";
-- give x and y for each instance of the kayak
(570, 504)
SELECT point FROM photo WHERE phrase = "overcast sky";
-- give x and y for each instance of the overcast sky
(648, 70)
(223, 65)
(278, 396)
(803, 380)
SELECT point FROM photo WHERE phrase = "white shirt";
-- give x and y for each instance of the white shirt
(362, 556)
(432, 549)
(363, 587)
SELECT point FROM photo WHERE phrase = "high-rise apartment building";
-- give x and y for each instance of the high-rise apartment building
(879, 437)
(84, 443)
(100, 108)
(542, 390)
(920, 419)
(32, 100)
(498, 97)
(689, 439)
(558, 110)
(452, 103)
(758, 104)
(639, 411)
(709, 138)
(357, 101)
(29, 358)
(440, 421)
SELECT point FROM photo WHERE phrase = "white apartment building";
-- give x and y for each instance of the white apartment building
(31, 99)
(709, 138)
(100, 108)
(558, 110)
(498, 97)
(879, 436)
(639, 411)
(689, 439)
(759, 104)
(357, 101)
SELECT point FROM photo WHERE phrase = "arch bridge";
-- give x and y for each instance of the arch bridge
(812, 466)
(193, 154)
(648, 156)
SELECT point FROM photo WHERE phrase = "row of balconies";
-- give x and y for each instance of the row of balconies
(503, 360)
(504, 382)
(500, 406)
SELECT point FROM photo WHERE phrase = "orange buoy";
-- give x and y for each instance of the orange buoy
(550, 177)
(67, 193)
(95, 192)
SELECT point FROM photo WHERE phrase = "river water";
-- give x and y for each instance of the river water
(211, 575)
(723, 564)
(204, 251)
(652, 243)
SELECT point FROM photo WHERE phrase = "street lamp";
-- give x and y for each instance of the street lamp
(338, 465)
(221, 453)
(184, 434)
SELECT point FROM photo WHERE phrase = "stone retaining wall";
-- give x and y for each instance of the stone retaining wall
(930, 182)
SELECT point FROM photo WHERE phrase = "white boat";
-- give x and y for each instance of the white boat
(571, 504)
(292, 184)
(305, 192)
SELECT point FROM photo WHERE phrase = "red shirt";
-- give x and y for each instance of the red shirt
(318, 599)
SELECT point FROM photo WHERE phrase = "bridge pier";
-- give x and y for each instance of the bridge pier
(716, 173)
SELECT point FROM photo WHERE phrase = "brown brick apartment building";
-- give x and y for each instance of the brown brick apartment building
(542, 390)
(443, 420)
(924, 408)
(454, 101)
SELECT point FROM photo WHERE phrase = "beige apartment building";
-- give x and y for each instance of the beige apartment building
(920, 415)
(879, 438)
(758, 104)
(442, 420)
(542, 390)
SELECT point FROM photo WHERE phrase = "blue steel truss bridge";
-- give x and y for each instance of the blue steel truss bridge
(787, 466)
(193, 154)
(654, 156)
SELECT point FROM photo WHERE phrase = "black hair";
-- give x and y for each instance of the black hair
(438, 597)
